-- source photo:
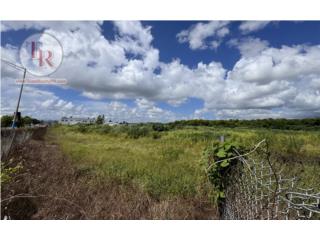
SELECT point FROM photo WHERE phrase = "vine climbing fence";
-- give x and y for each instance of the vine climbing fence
(256, 190)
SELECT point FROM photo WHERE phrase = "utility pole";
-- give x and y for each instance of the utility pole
(21, 88)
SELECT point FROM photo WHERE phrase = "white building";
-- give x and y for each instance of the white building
(75, 120)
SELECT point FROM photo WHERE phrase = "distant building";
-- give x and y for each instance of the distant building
(75, 120)
(111, 123)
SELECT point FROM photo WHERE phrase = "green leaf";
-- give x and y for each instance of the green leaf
(224, 163)
(221, 153)
(236, 145)
(227, 146)
(221, 194)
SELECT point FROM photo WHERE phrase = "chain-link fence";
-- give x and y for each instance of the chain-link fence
(11, 137)
(255, 190)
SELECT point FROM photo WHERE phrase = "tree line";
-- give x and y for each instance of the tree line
(270, 123)
(281, 123)
(6, 121)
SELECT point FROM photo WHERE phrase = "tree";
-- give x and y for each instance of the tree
(6, 121)
(26, 120)
(100, 119)
(158, 127)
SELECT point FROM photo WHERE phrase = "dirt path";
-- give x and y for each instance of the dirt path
(50, 187)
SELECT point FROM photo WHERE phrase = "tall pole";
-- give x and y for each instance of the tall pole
(18, 104)
(24, 77)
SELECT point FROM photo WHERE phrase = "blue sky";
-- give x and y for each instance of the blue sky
(168, 70)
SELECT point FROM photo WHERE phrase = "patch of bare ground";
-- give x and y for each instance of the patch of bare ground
(49, 186)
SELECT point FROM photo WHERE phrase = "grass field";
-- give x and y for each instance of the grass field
(166, 164)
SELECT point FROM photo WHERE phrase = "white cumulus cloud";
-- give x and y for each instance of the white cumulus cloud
(265, 81)
(252, 26)
(198, 34)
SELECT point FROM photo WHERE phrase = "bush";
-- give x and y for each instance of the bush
(120, 129)
(6, 121)
(105, 129)
(81, 128)
(159, 127)
(137, 132)
(156, 135)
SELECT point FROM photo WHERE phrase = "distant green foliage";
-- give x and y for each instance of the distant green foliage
(200, 136)
(132, 131)
(285, 124)
(105, 129)
(119, 130)
(169, 165)
(6, 121)
(156, 135)
(159, 127)
(137, 132)
(91, 128)
(82, 128)
(100, 119)
(29, 120)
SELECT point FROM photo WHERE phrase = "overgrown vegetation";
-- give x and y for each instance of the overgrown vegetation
(217, 162)
(8, 171)
(134, 154)
(285, 124)
(157, 167)
(164, 161)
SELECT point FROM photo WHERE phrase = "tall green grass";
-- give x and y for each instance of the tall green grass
(166, 163)
(162, 167)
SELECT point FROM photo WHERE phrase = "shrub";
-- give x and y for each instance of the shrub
(100, 129)
(82, 128)
(6, 121)
(118, 130)
(136, 132)
(105, 129)
(159, 127)
(156, 135)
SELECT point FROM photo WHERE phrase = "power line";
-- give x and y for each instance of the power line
(13, 64)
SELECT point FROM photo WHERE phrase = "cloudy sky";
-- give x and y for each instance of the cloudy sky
(163, 71)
